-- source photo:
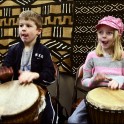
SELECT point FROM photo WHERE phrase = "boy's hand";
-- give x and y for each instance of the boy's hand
(26, 77)
(5, 73)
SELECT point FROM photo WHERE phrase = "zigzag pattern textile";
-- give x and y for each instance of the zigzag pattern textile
(86, 15)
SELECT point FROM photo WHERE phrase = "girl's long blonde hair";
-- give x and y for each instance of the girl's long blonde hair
(117, 55)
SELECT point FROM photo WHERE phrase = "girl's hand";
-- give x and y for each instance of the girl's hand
(26, 77)
(100, 78)
(114, 85)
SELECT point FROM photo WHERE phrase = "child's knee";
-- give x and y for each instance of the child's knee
(71, 120)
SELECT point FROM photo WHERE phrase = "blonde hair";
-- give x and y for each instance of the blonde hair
(117, 55)
(31, 15)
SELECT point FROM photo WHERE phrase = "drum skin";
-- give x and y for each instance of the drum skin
(105, 106)
(19, 103)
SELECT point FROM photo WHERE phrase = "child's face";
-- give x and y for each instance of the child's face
(28, 31)
(106, 37)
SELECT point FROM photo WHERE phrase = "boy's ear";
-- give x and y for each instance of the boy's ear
(39, 31)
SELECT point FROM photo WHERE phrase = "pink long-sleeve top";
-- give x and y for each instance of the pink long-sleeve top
(95, 64)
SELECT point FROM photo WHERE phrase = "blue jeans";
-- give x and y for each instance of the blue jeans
(79, 116)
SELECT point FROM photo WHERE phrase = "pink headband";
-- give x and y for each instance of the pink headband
(112, 22)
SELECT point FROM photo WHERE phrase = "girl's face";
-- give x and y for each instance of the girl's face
(28, 31)
(106, 37)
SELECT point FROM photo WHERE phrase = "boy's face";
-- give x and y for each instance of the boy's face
(28, 31)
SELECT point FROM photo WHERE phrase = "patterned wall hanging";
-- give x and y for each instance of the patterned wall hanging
(69, 34)
(86, 15)
(57, 27)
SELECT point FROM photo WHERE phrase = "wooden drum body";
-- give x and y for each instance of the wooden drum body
(105, 106)
(19, 103)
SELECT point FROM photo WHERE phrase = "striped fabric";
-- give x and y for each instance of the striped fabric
(105, 64)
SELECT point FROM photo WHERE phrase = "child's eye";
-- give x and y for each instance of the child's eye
(20, 25)
(100, 32)
(110, 32)
(28, 25)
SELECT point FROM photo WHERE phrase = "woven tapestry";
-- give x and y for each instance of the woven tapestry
(57, 27)
(86, 15)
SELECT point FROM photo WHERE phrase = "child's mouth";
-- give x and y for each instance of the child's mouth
(24, 35)
(105, 42)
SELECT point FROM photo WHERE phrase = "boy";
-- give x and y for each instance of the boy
(29, 60)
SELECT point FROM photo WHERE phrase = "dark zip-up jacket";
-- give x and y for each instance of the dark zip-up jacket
(41, 62)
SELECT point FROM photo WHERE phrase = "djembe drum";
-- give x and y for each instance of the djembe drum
(20, 103)
(105, 106)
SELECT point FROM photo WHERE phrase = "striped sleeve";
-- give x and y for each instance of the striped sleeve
(87, 79)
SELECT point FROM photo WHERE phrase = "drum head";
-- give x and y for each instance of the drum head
(105, 98)
(16, 98)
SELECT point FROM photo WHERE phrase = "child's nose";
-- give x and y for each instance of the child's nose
(24, 27)
(104, 34)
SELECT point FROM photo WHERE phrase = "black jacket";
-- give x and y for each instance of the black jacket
(41, 62)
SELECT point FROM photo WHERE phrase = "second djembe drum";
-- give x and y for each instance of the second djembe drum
(105, 106)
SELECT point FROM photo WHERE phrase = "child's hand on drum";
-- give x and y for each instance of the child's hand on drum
(114, 85)
(6, 73)
(100, 77)
(26, 77)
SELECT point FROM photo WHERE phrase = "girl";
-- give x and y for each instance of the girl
(105, 65)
